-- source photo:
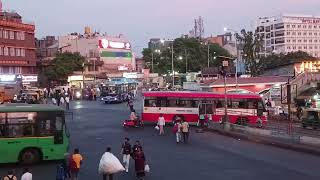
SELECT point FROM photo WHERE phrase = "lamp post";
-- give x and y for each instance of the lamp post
(208, 54)
(152, 58)
(236, 45)
(185, 53)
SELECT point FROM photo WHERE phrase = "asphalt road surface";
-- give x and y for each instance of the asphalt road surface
(208, 156)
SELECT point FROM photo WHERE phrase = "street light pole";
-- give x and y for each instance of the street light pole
(152, 62)
(185, 52)
(208, 55)
(172, 66)
(235, 40)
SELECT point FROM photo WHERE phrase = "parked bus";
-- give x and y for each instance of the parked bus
(243, 109)
(30, 133)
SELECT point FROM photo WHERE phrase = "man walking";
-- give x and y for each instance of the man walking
(161, 124)
(185, 131)
(75, 164)
(126, 151)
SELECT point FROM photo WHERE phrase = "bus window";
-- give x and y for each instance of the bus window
(46, 123)
(20, 124)
(150, 103)
(252, 104)
(220, 103)
(209, 108)
(161, 102)
(172, 102)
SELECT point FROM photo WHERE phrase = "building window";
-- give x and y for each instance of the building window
(299, 40)
(304, 26)
(288, 33)
(12, 53)
(1, 33)
(293, 47)
(310, 27)
(310, 47)
(315, 40)
(305, 47)
(299, 47)
(288, 47)
(299, 26)
(293, 26)
(288, 40)
(310, 34)
(288, 26)
(5, 34)
(310, 41)
(293, 33)
(316, 34)
(305, 40)
(11, 33)
(1, 51)
(22, 36)
(315, 27)
(299, 33)
(6, 51)
(304, 34)
(18, 52)
(23, 52)
(294, 40)
(316, 47)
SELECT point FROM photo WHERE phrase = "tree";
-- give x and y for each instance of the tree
(275, 60)
(252, 45)
(191, 49)
(63, 65)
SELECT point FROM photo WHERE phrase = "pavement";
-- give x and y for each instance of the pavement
(207, 156)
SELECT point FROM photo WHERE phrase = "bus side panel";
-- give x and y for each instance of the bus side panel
(151, 114)
(10, 148)
(50, 150)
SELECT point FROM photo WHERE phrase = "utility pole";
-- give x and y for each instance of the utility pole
(152, 62)
(172, 66)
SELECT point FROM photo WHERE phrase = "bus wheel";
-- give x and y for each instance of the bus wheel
(29, 156)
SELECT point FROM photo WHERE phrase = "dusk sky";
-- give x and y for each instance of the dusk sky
(141, 20)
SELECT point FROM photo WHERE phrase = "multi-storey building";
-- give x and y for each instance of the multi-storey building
(290, 33)
(106, 55)
(17, 45)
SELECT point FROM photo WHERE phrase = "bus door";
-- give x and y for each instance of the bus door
(206, 108)
(51, 124)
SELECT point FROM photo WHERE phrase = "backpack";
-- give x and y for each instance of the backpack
(11, 178)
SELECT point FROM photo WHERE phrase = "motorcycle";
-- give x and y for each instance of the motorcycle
(133, 123)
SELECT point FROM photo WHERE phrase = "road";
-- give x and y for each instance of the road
(208, 156)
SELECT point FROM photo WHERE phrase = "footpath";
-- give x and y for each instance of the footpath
(295, 142)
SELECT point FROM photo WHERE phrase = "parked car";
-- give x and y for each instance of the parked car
(310, 118)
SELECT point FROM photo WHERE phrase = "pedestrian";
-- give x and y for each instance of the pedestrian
(60, 174)
(62, 101)
(135, 148)
(26, 174)
(161, 124)
(139, 162)
(177, 130)
(10, 176)
(202, 119)
(54, 101)
(67, 102)
(130, 104)
(126, 151)
(185, 131)
(66, 165)
(109, 165)
(75, 164)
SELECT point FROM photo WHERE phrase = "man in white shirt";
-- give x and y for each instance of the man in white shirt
(67, 102)
(161, 124)
(26, 175)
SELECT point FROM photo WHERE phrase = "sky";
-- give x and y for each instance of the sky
(140, 20)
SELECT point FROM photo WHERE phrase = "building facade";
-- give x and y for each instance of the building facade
(46, 47)
(290, 33)
(17, 45)
(106, 55)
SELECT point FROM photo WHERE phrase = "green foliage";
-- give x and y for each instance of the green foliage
(274, 60)
(190, 48)
(252, 45)
(63, 65)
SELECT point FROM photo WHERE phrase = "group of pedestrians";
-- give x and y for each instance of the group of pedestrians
(62, 98)
(180, 128)
(26, 175)
(71, 167)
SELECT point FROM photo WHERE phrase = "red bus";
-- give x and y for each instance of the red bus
(242, 109)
